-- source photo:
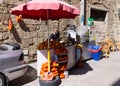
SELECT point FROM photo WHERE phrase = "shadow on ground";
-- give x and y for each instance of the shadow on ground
(117, 83)
(29, 76)
(80, 70)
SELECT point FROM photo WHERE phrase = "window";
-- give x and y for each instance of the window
(98, 15)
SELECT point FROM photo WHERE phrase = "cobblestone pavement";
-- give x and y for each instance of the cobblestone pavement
(105, 72)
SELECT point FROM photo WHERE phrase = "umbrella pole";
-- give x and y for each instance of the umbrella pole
(58, 24)
(48, 60)
(48, 48)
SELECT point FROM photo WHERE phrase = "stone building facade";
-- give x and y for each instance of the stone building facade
(29, 33)
(105, 14)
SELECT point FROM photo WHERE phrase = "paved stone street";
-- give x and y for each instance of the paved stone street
(105, 72)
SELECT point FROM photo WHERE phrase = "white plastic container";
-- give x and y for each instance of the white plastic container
(66, 74)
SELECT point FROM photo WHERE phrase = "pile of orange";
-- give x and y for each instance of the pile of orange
(44, 69)
(52, 44)
(56, 70)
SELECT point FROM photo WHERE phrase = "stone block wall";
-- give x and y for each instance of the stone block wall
(109, 27)
(29, 33)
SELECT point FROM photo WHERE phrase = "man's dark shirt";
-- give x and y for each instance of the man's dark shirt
(55, 36)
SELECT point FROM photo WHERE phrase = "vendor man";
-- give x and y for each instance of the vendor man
(55, 35)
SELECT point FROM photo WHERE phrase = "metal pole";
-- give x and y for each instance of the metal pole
(58, 25)
(48, 42)
(82, 15)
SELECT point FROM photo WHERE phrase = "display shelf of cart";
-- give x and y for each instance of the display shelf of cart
(62, 57)
(65, 61)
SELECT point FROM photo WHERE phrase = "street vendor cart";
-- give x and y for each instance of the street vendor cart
(46, 10)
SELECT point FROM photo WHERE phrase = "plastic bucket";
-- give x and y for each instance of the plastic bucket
(96, 56)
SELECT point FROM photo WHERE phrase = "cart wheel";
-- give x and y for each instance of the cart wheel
(55, 82)
(2, 80)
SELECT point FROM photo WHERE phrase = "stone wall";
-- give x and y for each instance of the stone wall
(29, 33)
(116, 22)
(110, 26)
